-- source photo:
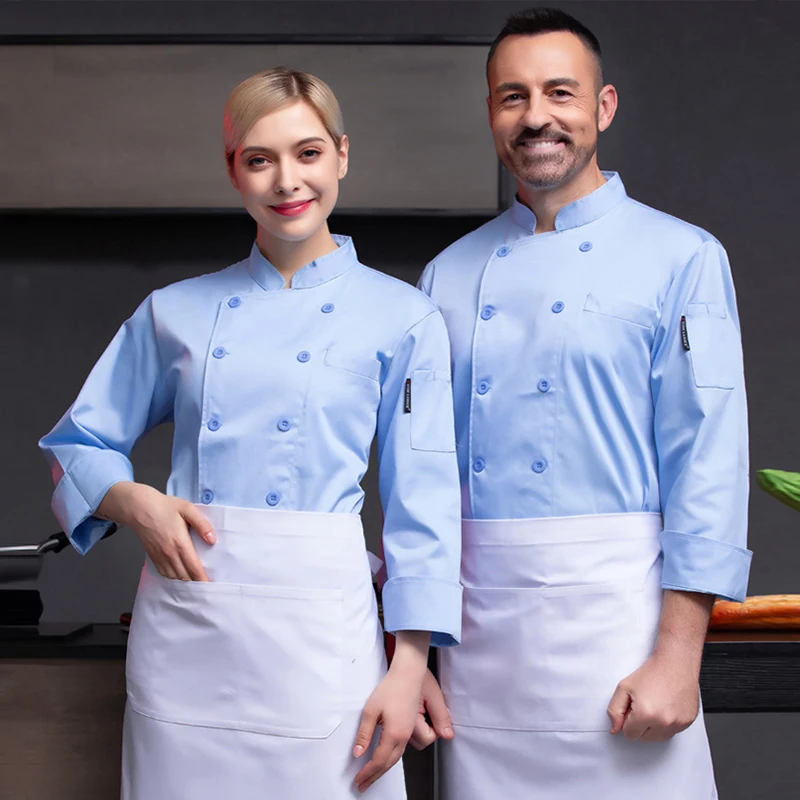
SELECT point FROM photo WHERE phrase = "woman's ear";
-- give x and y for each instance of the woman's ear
(344, 149)
(232, 171)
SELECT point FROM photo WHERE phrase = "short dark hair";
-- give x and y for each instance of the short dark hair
(533, 21)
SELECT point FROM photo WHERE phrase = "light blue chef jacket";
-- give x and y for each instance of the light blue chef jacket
(597, 369)
(276, 396)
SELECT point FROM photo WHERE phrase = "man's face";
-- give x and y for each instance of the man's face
(544, 108)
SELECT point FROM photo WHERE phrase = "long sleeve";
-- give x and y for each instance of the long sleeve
(88, 450)
(700, 416)
(419, 486)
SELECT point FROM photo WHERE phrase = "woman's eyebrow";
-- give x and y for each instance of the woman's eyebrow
(259, 149)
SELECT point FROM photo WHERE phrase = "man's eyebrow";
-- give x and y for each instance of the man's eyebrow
(551, 83)
(259, 149)
(511, 87)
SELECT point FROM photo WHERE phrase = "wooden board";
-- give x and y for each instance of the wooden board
(61, 729)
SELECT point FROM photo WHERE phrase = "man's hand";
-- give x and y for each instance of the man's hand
(162, 524)
(657, 701)
(662, 697)
(431, 700)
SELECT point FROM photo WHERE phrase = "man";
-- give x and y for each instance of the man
(602, 439)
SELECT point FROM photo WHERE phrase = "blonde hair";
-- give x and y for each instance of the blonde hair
(267, 91)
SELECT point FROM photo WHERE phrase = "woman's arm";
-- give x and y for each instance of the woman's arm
(124, 396)
(421, 535)
(393, 706)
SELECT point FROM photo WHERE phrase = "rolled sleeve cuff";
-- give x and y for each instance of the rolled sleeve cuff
(695, 563)
(81, 490)
(424, 604)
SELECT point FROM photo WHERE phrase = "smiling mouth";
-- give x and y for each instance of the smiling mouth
(542, 144)
(292, 209)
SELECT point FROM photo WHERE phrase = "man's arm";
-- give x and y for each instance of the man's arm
(700, 432)
(662, 697)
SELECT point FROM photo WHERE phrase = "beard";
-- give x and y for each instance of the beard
(542, 170)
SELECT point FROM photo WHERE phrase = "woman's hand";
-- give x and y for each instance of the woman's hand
(162, 524)
(393, 705)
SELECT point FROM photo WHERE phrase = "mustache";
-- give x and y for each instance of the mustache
(532, 134)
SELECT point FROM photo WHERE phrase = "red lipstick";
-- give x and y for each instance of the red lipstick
(292, 209)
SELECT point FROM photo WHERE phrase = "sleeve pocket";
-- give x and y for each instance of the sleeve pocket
(432, 411)
(713, 346)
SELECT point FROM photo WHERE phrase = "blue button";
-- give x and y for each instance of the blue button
(284, 425)
(503, 251)
(539, 465)
(585, 247)
(478, 465)
(558, 307)
(544, 385)
(488, 312)
(483, 387)
(214, 424)
(303, 356)
(235, 302)
(273, 498)
(327, 308)
(207, 496)
(219, 352)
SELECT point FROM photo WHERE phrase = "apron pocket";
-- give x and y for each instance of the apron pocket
(595, 638)
(244, 657)
(542, 659)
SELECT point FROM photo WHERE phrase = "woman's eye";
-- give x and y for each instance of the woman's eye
(256, 161)
(309, 153)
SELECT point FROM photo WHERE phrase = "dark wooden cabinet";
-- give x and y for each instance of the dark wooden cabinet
(62, 701)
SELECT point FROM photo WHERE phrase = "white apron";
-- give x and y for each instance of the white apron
(556, 612)
(251, 687)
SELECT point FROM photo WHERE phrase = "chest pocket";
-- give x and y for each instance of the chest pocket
(615, 336)
(349, 388)
(360, 366)
(612, 346)
(623, 310)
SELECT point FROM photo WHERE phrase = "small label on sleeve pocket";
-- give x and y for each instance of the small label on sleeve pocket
(684, 334)
(407, 406)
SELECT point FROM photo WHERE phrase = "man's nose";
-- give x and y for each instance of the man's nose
(537, 113)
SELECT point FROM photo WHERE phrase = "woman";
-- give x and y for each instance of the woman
(255, 643)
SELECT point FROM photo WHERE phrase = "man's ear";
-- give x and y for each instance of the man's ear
(607, 102)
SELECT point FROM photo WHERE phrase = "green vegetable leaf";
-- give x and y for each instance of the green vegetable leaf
(783, 485)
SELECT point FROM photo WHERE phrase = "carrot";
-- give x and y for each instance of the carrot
(767, 611)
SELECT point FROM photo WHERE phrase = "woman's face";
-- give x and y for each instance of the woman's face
(287, 170)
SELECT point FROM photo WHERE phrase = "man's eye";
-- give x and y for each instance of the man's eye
(562, 93)
(512, 98)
